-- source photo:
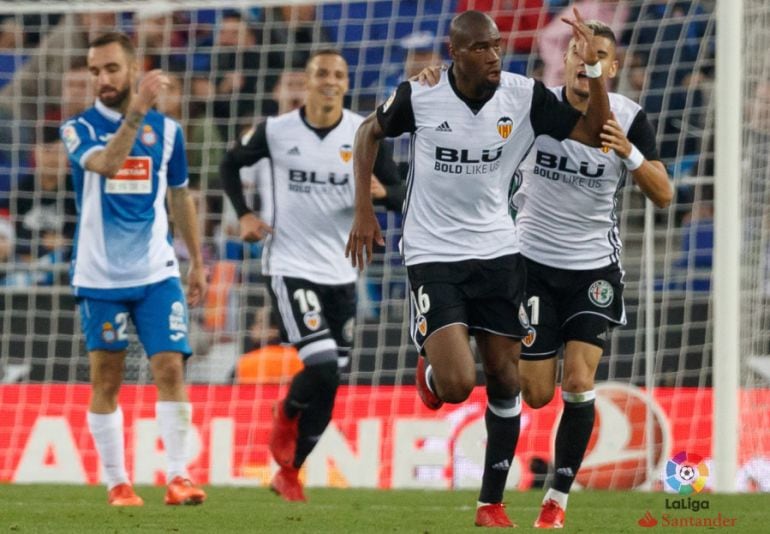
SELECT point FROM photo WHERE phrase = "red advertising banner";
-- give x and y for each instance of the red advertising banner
(380, 437)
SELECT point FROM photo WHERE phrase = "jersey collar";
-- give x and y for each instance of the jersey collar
(107, 113)
(320, 132)
(474, 105)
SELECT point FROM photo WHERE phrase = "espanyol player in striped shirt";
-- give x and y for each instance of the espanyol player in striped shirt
(125, 156)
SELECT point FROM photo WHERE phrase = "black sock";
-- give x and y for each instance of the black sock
(304, 387)
(315, 417)
(502, 437)
(572, 437)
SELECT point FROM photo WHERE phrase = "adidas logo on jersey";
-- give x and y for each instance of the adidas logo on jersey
(293, 152)
(443, 127)
(505, 465)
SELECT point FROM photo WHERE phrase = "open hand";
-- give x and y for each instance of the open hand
(583, 35)
(151, 86)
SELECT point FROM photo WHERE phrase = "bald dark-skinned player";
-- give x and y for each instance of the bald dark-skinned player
(469, 133)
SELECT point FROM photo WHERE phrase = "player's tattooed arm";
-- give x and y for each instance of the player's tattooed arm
(108, 162)
(185, 220)
(365, 230)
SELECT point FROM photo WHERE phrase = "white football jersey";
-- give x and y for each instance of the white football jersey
(565, 207)
(313, 194)
(463, 158)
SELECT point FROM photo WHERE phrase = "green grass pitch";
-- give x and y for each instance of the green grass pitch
(50, 508)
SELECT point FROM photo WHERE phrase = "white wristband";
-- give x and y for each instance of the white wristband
(594, 71)
(634, 159)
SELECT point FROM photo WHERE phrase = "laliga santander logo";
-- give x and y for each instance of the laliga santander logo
(686, 473)
(616, 457)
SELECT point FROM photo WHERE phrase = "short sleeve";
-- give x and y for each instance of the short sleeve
(642, 135)
(79, 140)
(550, 116)
(177, 164)
(395, 115)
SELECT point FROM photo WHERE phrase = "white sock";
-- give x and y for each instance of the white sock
(174, 419)
(107, 431)
(557, 496)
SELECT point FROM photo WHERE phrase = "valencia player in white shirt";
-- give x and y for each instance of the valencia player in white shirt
(469, 134)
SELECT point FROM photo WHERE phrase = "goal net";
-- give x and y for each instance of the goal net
(239, 62)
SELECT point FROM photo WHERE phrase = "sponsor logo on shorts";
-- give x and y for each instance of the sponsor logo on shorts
(601, 293)
(177, 322)
(523, 317)
(347, 330)
(422, 325)
(529, 339)
(108, 333)
(312, 320)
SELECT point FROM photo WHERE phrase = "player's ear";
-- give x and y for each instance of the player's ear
(613, 69)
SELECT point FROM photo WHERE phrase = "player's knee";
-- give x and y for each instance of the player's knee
(536, 396)
(167, 370)
(577, 382)
(106, 391)
(456, 388)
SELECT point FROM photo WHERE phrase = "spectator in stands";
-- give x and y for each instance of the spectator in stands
(553, 39)
(205, 149)
(235, 65)
(6, 242)
(288, 93)
(77, 92)
(518, 21)
(155, 36)
(44, 204)
(671, 34)
(11, 54)
(289, 34)
(38, 85)
(205, 146)
(420, 53)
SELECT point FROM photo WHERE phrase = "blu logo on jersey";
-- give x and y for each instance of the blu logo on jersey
(300, 176)
(562, 163)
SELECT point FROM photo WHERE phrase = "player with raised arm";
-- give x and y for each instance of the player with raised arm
(311, 283)
(469, 134)
(568, 234)
(125, 156)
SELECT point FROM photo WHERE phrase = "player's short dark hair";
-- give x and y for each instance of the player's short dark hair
(600, 29)
(115, 37)
(325, 52)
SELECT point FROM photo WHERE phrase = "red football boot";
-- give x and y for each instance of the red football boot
(427, 397)
(283, 436)
(183, 491)
(551, 515)
(493, 515)
(123, 495)
(286, 484)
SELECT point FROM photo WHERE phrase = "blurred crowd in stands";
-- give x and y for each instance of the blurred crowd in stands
(232, 67)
